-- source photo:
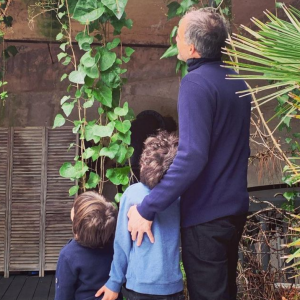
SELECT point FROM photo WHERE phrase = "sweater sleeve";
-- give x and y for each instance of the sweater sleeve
(196, 112)
(65, 281)
(122, 247)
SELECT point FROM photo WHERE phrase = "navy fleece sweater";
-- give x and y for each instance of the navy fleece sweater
(81, 271)
(209, 171)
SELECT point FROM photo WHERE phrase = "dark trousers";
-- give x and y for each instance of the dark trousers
(132, 295)
(210, 255)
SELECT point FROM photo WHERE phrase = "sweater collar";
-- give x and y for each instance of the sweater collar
(195, 63)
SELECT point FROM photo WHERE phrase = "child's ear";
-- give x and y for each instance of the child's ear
(72, 214)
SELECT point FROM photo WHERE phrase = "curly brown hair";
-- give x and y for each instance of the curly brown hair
(157, 156)
(94, 220)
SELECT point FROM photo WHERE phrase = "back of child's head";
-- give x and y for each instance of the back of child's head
(157, 156)
(94, 221)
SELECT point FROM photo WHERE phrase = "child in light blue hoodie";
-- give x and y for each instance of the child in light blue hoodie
(150, 271)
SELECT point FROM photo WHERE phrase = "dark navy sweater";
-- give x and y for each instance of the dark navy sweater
(81, 271)
(209, 171)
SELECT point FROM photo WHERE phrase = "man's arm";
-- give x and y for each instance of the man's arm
(196, 113)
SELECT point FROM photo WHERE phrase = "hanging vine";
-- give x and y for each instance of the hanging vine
(95, 84)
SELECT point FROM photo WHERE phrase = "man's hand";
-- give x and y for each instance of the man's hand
(137, 225)
(108, 294)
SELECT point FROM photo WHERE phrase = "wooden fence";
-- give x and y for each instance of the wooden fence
(34, 200)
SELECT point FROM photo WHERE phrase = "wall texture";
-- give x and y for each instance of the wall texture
(33, 75)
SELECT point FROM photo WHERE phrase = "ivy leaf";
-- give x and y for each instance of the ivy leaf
(130, 115)
(113, 44)
(87, 60)
(77, 77)
(288, 140)
(225, 11)
(73, 190)
(59, 121)
(96, 150)
(67, 170)
(171, 51)
(89, 134)
(12, 50)
(129, 153)
(66, 61)
(117, 7)
(185, 5)
(92, 181)
(103, 131)
(76, 128)
(7, 19)
(118, 197)
(59, 36)
(92, 72)
(289, 195)
(122, 111)
(123, 127)
(118, 24)
(110, 151)
(111, 116)
(88, 103)
(64, 76)
(118, 175)
(173, 6)
(104, 95)
(129, 51)
(61, 14)
(61, 55)
(107, 59)
(111, 77)
(83, 38)
(121, 154)
(87, 11)
(64, 99)
(125, 59)
(125, 138)
(100, 110)
(67, 108)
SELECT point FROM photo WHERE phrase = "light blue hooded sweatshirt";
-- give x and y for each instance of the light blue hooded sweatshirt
(151, 268)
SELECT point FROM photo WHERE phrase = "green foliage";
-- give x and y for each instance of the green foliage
(177, 10)
(273, 55)
(96, 82)
(10, 51)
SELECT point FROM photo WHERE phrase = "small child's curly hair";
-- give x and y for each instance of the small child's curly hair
(157, 156)
(94, 220)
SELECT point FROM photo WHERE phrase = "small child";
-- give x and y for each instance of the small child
(84, 263)
(151, 271)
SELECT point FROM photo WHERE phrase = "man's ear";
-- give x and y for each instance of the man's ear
(193, 52)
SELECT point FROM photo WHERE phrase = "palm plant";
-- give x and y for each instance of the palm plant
(272, 55)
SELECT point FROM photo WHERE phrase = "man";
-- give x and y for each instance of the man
(209, 171)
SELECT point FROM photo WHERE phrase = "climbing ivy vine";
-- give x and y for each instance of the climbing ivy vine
(6, 22)
(95, 83)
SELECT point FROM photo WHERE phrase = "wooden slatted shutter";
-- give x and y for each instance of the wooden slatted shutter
(4, 161)
(26, 186)
(58, 203)
(34, 201)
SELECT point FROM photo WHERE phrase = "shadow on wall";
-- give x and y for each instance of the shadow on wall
(147, 123)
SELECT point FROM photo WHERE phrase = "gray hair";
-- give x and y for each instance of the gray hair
(207, 31)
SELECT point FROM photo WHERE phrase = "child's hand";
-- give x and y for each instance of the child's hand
(108, 294)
